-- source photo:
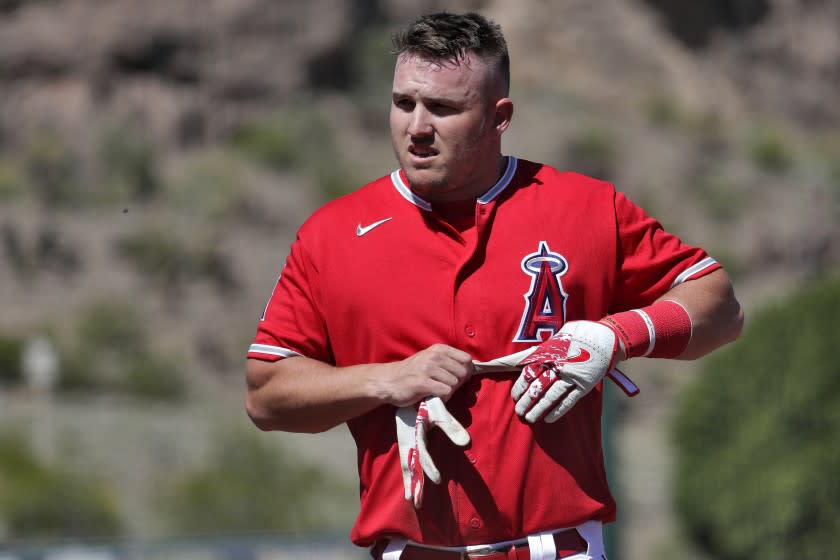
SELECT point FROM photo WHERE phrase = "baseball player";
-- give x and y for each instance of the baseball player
(394, 299)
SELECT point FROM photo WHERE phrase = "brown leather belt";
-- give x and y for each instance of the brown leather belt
(567, 543)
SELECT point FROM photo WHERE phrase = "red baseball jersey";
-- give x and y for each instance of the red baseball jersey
(378, 275)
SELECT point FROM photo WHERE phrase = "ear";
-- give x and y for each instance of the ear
(503, 114)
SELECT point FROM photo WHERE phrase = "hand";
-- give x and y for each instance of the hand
(413, 426)
(436, 371)
(563, 369)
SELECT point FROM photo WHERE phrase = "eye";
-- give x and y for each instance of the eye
(442, 108)
(404, 104)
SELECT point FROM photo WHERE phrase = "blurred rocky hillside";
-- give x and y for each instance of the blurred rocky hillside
(156, 157)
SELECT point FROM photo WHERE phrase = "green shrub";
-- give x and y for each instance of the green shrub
(592, 152)
(11, 348)
(722, 200)
(770, 149)
(298, 138)
(129, 162)
(12, 181)
(52, 169)
(40, 501)
(153, 377)
(757, 437)
(170, 264)
(247, 486)
(113, 354)
(375, 63)
(273, 142)
(211, 187)
(663, 110)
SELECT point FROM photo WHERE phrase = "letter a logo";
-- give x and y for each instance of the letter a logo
(545, 301)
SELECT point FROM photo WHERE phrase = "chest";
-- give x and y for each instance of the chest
(414, 281)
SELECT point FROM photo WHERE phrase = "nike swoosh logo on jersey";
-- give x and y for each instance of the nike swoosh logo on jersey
(361, 230)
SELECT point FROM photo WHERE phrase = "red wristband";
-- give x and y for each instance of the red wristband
(661, 330)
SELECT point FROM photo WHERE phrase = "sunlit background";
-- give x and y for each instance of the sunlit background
(156, 158)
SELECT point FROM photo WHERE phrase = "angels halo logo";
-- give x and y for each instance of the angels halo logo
(545, 301)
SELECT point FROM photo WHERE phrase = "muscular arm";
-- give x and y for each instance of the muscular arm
(716, 316)
(300, 394)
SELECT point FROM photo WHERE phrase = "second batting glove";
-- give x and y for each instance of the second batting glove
(563, 369)
(413, 425)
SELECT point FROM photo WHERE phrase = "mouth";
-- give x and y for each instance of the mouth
(421, 152)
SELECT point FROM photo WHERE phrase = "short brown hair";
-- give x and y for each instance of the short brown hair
(444, 36)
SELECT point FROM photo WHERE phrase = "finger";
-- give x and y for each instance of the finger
(504, 363)
(459, 355)
(418, 494)
(439, 416)
(417, 480)
(426, 462)
(406, 443)
(554, 394)
(565, 405)
(452, 353)
(528, 375)
(536, 390)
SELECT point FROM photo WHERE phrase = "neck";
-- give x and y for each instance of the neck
(480, 187)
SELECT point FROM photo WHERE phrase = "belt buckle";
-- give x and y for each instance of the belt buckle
(488, 551)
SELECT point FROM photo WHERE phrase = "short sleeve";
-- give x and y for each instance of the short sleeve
(651, 259)
(292, 323)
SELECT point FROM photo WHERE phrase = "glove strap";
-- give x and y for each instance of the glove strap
(661, 330)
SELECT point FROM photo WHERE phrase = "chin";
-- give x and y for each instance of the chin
(424, 180)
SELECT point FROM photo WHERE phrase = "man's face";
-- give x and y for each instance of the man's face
(445, 128)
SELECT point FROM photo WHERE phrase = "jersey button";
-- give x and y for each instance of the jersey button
(471, 457)
(470, 330)
(475, 523)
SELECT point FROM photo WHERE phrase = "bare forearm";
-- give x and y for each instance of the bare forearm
(716, 316)
(304, 395)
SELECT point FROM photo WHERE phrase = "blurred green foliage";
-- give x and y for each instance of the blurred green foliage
(247, 486)
(723, 200)
(298, 138)
(771, 150)
(112, 354)
(592, 151)
(272, 142)
(52, 170)
(375, 69)
(129, 163)
(12, 180)
(11, 348)
(663, 110)
(757, 436)
(212, 186)
(170, 263)
(43, 501)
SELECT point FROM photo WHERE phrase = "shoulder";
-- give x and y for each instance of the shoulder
(547, 179)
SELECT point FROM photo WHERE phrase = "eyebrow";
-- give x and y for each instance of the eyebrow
(434, 99)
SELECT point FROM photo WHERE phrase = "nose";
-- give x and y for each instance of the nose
(420, 124)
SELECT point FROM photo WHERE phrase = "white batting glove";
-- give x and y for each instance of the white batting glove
(413, 425)
(563, 369)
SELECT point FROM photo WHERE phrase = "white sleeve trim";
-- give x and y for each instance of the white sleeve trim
(651, 331)
(272, 350)
(692, 270)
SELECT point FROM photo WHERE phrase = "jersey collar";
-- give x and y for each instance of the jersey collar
(494, 191)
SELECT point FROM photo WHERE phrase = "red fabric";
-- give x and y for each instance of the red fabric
(568, 246)
(632, 330)
(671, 325)
(673, 329)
